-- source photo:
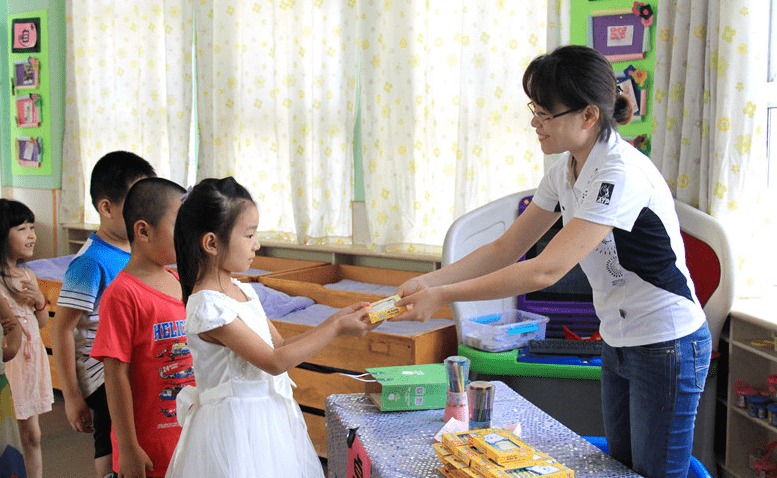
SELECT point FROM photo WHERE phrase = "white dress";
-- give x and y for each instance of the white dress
(240, 421)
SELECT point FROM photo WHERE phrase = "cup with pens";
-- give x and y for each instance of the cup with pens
(481, 404)
(457, 405)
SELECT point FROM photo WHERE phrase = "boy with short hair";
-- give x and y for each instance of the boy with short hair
(74, 326)
(141, 338)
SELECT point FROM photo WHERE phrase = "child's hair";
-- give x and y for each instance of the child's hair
(114, 173)
(147, 200)
(213, 205)
(12, 214)
(577, 76)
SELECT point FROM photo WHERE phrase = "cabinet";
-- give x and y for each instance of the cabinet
(76, 235)
(753, 364)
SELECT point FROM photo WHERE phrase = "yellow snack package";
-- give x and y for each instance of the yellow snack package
(385, 309)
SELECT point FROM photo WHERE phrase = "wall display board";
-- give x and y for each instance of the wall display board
(29, 114)
(624, 32)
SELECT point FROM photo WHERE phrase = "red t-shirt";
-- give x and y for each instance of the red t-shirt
(142, 326)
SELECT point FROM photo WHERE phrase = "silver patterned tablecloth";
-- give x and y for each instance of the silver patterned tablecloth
(399, 444)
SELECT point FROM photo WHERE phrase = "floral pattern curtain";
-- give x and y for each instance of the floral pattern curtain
(128, 77)
(709, 133)
(276, 110)
(444, 126)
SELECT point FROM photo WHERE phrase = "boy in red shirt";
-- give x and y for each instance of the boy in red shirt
(141, 338)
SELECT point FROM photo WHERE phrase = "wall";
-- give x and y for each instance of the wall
(580, 11)
(40, 193)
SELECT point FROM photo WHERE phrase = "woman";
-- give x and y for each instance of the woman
(621, 226)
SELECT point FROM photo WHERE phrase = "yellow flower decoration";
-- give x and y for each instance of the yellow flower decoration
(665, 35)
(683, 181)
(728, 34)
(670, 124)
(700, 31)
(750, 109)
(720, 190)
(724, 124)
(743, 144)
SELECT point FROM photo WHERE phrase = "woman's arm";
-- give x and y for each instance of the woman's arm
(575, 241)
(524, 232)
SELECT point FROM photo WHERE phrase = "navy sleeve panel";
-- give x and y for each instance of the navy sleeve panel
(647, 252)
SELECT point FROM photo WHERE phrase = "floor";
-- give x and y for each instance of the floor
(66, 453)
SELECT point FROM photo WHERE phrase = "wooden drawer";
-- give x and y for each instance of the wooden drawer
(313, 387)
(378, 349)
(310, 283)
(277, 264)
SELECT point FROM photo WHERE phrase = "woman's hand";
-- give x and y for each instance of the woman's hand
(416, 284)
(420, 304)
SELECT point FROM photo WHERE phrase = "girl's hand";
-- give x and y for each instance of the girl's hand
(420, 305)
(354, 320)
(9, 323)
(30, 293)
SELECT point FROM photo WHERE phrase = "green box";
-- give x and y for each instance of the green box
(408, 387)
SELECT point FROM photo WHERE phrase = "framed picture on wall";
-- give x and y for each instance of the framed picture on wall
(25, 35)
(620, 35)
(27, 74)
(28, 111)
(28, 151)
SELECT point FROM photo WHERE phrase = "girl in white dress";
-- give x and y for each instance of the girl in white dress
(241, 420)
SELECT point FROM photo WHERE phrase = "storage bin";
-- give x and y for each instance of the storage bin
(507, 330)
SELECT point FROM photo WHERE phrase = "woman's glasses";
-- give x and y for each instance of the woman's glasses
(543, 117)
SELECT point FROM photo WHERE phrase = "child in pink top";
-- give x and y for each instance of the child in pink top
(28, 373)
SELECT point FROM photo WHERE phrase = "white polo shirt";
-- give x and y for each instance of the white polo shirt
(641, 286)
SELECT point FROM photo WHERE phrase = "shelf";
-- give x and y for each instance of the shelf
(760, 421)
(765, 352)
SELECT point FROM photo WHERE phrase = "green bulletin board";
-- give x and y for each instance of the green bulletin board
(596, 23)
(29, 114)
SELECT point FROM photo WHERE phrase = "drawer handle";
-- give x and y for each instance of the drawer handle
(379, 347)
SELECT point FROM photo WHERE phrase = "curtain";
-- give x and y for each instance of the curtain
(128, 87)
(276, 109)
(444, 126)
(709, 133)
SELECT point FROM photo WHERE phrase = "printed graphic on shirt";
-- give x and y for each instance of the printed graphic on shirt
(177, 371)
(605, 193)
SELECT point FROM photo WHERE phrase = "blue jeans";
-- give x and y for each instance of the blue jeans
(650, 394)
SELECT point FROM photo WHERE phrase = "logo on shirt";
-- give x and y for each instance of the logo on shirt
(605, 193)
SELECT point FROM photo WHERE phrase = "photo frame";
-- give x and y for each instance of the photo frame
(619, 34)
(25, 35)
(28, 111)
(632, 83)
(27, 74)
(28, 151)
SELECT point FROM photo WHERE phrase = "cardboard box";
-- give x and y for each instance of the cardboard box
(409, 387)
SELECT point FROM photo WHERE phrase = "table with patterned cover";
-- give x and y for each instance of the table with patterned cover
(399, 444)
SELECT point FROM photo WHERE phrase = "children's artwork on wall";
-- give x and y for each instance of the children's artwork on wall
(28, 151)
(28, 111)
(621, 34)
(26, 35)
(640, 142)
(632, 84)
(27, 74)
